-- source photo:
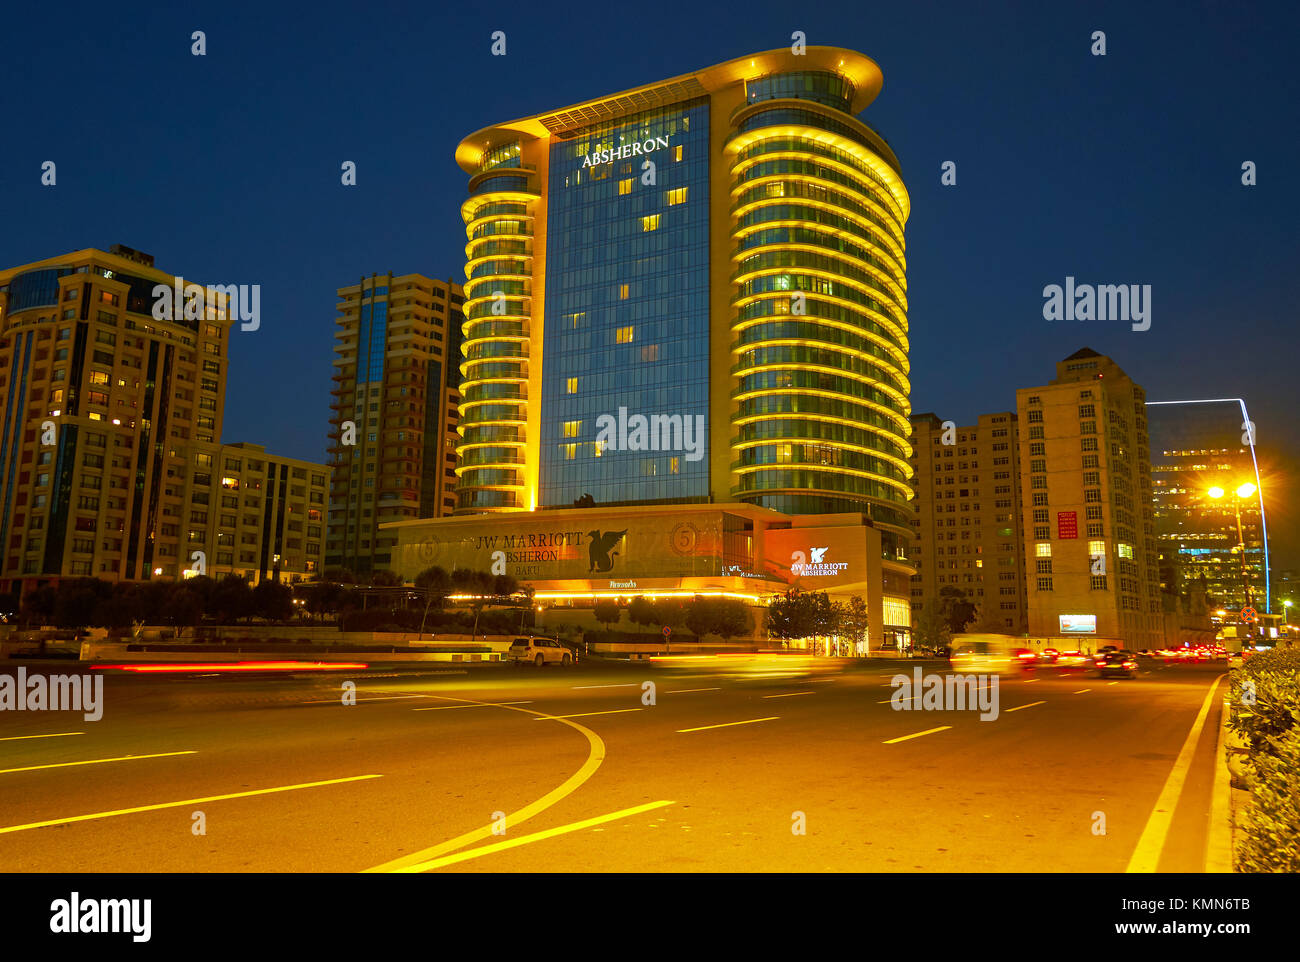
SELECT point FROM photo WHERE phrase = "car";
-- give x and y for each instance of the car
(1072, 659)
(1122, 663)
(1048, 656)
(985, 654)
(541, 651)
(1026, 657)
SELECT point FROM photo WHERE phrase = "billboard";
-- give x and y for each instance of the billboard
(1078, 624)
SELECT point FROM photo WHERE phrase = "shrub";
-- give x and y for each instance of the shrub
(1274, 709)
(1272, 824)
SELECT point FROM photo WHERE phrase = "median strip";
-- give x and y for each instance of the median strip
(748, 721)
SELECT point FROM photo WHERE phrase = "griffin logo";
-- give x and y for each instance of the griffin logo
(599, 550)
(817, 554)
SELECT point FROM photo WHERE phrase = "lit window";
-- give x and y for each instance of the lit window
(571, 385)
(1043, 550)
(674, 464)
(622, 292)
(625, 186)
(675, 196)
(570, 451)
(571, 428)
(624, 335)
(1124, 550)
(649, 222)
(677, 152)
(1096, 547)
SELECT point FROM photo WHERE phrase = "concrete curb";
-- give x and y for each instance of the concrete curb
(1218, 842)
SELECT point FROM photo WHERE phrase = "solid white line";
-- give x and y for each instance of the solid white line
(1146, 856)
(585, 714)
(750, 721)
(791, 694)
(928, 731)
(1030, 705)
(15, 738)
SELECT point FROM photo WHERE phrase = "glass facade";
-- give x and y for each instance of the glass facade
(370, 339)
(820, 322)
(627, 312)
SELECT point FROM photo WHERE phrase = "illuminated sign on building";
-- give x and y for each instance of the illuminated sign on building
(1067, 525)
(624, 151)
(1078, 624)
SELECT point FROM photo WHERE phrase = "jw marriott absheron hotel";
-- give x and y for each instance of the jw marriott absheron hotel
(687, 302)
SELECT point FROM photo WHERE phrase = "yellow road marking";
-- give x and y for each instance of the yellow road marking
(1030, 681)
(339, 699)
(791, 694)
(750, 721)
(188, 801)
(535, 837)
(1083, 691)
(595, 756)
(15, 738)
(92, 761)
(928, 731)
(584, 714)
(1146, 856)
(1030, 705)
(888, 701)
(1112, 683)
(451, 707)
(687, 691)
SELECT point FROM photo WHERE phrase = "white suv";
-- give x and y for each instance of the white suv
(540, 651)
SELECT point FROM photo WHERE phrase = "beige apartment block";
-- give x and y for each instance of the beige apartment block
(968, 527)
(1090, 545)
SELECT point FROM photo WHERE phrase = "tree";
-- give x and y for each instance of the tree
(641, 611)
(955, 608)
(854, 621)
(798, 614)
(988, 622)
(384, 578)
(38, 606)
(607, 612)
(75, 601)
(231, 600)
(932, 629)
(183, 607)
(273, 601)
(724, 617)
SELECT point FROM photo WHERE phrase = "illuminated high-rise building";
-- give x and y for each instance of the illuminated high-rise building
(693, 294)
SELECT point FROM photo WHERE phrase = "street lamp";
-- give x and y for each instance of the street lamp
(1243, 492)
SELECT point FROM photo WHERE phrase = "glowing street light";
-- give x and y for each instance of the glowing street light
(1244, 491)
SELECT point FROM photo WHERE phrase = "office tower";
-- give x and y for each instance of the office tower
(396, 382)
(1198, 447)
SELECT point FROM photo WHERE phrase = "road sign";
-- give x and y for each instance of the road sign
(1249, 615)
(667, 631)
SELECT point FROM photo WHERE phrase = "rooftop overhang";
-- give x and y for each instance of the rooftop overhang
(860, 70)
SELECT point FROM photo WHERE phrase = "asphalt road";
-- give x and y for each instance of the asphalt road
(528, 770)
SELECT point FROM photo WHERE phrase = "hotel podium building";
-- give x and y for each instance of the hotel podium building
(688, 301)
(110, 423)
